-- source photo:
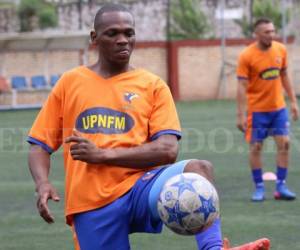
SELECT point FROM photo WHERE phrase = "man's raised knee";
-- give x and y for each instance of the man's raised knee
(202, 167)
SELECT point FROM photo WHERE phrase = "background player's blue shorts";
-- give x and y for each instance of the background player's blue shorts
(260, 125)
(108, 228)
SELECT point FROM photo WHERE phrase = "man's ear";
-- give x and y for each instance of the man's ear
(93, 37)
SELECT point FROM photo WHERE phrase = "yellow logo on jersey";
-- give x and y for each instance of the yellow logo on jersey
(104, 120)
(270, 74)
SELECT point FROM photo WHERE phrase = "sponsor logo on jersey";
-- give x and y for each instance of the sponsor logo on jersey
(270, 74)
(130, 96)
(104, 120)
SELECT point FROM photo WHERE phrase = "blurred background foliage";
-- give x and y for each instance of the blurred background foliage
(187, 20)
(36, 14)
(263, 8)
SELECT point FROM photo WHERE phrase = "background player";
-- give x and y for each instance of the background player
(262, 74)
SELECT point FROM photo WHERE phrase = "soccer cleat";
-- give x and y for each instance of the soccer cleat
(283, 193)
(260, 244)
(258, 194)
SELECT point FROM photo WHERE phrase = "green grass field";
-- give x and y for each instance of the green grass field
(209, 133)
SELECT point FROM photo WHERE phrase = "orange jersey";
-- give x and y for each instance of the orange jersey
(263, 69)
(126, 110)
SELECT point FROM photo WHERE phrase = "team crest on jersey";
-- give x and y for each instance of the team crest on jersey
(270, 74)
(104, 120)
(129, 96)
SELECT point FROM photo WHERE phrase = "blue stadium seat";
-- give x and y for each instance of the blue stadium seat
(53, 79)
(18, 82)
(38, 82)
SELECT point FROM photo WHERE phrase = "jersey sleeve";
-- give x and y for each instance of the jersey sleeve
(46, 130)
(242, 68)
(164, 118)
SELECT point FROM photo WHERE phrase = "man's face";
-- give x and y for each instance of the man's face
(115, 37)
(265, 34)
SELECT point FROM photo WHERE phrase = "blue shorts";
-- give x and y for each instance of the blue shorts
(108, 228)
(260, 125)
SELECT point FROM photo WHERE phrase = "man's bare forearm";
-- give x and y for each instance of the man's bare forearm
(241, 97)
(286, 83)
(39, 164)
(159, 152)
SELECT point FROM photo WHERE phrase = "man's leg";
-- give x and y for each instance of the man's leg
(256, 170)
(97, 229)
(282, 160)
(280, 131)
(210, 238)
(258, 124)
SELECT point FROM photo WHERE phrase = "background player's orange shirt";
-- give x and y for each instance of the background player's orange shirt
(262, 69)
(123, 111)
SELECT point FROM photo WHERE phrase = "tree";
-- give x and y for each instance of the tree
(36, 14)
(263, 8)
(187, 21)
(270, 9)
(47, 17)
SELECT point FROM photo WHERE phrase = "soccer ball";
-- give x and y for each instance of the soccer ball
(188, 203)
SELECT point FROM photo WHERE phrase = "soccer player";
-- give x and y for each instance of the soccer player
(120, 131)
(262, 76)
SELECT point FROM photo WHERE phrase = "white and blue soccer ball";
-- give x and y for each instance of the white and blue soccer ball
(188, 203)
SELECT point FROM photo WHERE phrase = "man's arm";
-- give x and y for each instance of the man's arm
(286, 83)
(241, 104)
(161, 151)
(39, 165)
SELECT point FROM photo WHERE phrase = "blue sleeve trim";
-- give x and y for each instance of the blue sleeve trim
(166, 132)
(242, 78)
(44, 146)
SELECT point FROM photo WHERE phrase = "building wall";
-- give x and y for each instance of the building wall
(150, 18)
(28, 63)
(199, 66)
(8, 20)
(153, 59)
(200, 71)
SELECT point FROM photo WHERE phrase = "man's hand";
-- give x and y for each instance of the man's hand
(46, 191)
(295, 111)
(82, 149)
(241, 122)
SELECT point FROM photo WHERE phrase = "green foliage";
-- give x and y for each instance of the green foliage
(6, 5)
(270, 9)
(47, 17)
(187, 20)
(31, 10)
(27, 10)
(263, 8)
